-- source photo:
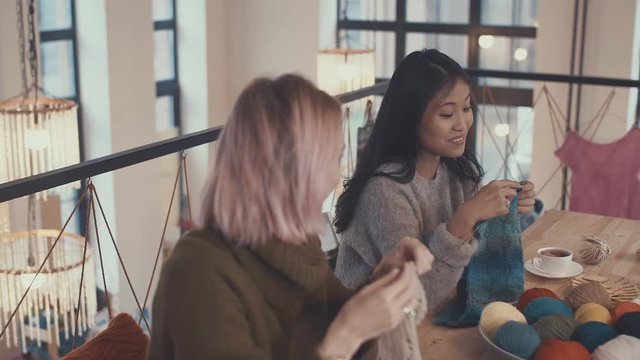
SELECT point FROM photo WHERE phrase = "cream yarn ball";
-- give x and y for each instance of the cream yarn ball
(496, 314)
(622, 347)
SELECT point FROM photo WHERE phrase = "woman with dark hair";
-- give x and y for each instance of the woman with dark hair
(418, 177)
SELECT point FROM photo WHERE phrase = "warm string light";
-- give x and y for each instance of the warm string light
(486, 41)
(502, 130)
(520, 54)
(54, 292)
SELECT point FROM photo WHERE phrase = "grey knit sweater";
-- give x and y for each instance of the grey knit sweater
(388, 210)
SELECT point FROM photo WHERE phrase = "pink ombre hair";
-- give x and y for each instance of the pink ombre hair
(271, 167)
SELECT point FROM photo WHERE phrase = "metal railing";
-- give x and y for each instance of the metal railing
(86, 169)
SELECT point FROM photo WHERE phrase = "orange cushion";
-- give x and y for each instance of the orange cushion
(122, 340)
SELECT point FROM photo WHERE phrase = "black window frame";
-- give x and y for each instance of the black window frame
(171, 87)
(504, 96)
(71, 35)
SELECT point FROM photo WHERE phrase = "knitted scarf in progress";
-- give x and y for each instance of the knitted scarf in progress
(495, 272)
(402, 343)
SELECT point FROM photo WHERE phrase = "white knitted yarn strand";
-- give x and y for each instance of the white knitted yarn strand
(402, 342)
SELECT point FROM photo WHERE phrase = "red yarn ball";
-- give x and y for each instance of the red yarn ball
(623, 308)
(532, 294)
(552, 349)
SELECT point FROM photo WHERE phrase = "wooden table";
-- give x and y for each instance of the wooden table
(554, 228)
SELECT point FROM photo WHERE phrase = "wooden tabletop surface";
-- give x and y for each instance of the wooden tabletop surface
(554, 228)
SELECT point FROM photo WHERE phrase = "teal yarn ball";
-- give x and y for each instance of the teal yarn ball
(544, 306)
(593, 334)
(629, 324)
(559, 327)
(518, 339)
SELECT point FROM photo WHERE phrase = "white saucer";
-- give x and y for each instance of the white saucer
(575, 270)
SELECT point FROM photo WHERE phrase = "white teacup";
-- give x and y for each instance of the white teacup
(553, 260)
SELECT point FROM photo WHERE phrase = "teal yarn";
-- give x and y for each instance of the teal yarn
(559, 327)
(593, 334)
(629, 324)
(544, 306)
(495, 272)
(518, 339)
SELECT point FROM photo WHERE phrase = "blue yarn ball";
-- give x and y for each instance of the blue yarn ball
(518, 339)
(629, 324)
(593, 334)
(544, 306)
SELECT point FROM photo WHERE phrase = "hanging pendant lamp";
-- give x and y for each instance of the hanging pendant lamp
(54, 292)
(38, 135)
(342, 70)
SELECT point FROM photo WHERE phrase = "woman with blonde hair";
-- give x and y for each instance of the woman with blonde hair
(253, 282)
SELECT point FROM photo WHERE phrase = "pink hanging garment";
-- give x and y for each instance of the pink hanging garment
(606, 177)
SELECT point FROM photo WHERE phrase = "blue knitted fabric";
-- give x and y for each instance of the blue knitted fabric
(495, 272)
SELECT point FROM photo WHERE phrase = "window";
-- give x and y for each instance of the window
(165, 65)
(59, 69)
(487, 34)
(436, 11)
(505, 140)
(58, 48)
(484, 34)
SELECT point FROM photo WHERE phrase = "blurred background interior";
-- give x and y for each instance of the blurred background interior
(85, 79)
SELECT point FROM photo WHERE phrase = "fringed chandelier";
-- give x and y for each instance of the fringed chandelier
(37, 135)
(4, 220)
(53, 293)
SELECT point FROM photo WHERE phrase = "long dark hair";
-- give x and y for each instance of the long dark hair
(421, 77)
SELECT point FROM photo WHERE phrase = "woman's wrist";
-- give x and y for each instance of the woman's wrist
(339, 342)
(462, 222)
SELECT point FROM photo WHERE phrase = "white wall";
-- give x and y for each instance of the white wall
(270, 38)
(117, 88)
(243, 39)
(611, 50)
(10, 83)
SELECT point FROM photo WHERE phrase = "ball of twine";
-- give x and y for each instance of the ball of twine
(589, 292)
(594, 250)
